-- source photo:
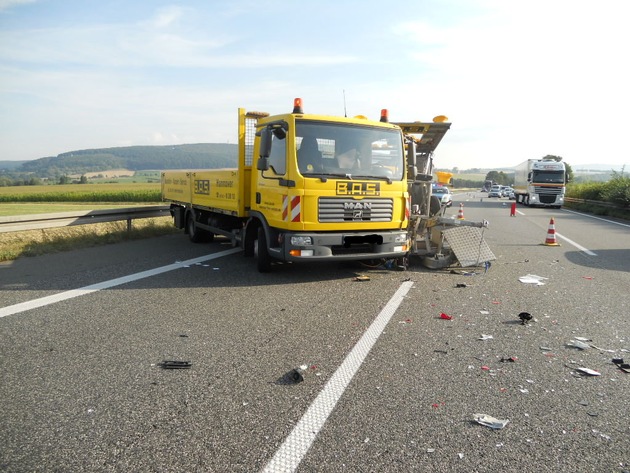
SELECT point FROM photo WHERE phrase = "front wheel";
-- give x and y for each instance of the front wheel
(263, 260)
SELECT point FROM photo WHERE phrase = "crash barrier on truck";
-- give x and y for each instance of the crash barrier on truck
(65, 219)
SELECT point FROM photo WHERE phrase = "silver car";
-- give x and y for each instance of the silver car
(444, 194)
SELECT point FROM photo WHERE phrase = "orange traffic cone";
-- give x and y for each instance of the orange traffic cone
(551, 234)
(460, 214)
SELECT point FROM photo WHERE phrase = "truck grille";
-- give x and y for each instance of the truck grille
(335, 209)
(542, 190)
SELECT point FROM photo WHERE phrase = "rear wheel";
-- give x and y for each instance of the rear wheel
(195, 234)
(263, 259)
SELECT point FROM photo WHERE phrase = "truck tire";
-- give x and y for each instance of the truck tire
(263, 260)
(249, 242)
(195, 234)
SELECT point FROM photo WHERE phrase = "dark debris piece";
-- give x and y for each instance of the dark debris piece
(175, 365)
(525, 317)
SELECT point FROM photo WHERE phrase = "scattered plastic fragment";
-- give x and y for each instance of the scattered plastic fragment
(588, 371)
(578, 344)
(430, 450)
(525, 317)
(625, 367)
(587, 277)
(484, 312)
(461, 284)
(173, 364)
(361, 278)
(532, 279)
(511, 359)
(583, 339)
(485, 337)
(445, 316)
(489, 421)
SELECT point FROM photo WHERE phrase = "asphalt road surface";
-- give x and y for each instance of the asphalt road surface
(389, 384)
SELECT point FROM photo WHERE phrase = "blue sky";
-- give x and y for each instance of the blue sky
(518, 79)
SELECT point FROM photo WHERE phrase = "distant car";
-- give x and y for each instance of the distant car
(495, 191)
(512, 195)
(444, 194)
(507, 190)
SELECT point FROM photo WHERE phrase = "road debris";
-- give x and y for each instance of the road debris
(485, 337)
(175, 365)
(588, 371)
(578, 344)
(532, 279)
(361, 278)
(296, 375)
(525, 317)
(625, 367)
(445, 316)
(489, 421)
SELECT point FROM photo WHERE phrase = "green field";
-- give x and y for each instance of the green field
(27, 200)
(82, 193)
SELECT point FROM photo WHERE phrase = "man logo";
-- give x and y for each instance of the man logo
(357, 205)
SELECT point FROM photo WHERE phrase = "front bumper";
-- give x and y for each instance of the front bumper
(343, 246)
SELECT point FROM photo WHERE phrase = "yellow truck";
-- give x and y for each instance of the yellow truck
(314, 188)
(307, 188)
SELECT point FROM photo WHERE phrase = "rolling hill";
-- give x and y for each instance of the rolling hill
(136, 158)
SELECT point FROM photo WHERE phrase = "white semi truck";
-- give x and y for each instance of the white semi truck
(540, 182)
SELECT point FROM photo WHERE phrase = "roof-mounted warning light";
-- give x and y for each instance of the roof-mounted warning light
(297, 105)
(385, 115)
(440, 119)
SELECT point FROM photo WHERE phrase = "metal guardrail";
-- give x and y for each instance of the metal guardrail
(593, 202)
(65, 219)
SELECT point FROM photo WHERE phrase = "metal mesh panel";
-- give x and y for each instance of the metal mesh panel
(468, 245)
(250, 133)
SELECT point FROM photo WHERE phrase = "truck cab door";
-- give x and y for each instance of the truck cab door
(272, 184)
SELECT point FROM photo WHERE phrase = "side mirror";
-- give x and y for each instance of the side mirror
(265, 149)
(265, 142)
(262, 164)
(412, 168)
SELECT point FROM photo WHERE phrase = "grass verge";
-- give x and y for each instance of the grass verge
(52, 240)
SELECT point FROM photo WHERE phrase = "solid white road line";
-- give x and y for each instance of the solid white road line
(62, 296)
(299, 441)
(579, 247)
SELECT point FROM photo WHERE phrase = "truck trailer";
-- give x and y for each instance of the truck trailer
(540, 182)
(318, 188)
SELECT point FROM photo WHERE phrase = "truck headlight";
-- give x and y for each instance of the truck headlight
(402, 238)
(301, 240)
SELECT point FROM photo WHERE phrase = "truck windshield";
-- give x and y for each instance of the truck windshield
(552, 177)
(349, 150)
